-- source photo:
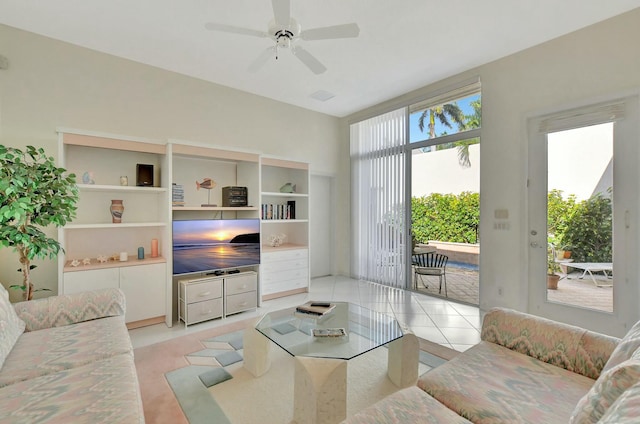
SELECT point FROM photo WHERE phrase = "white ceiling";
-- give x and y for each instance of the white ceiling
(403, 44)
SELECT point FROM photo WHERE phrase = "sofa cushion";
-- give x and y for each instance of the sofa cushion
(629, 344)
(11, 327)
(61, 310)
(625, 410)
(47, 351)
(606, 390)
(560, 344)
(105, 391)
(492, 384)
(410, 405)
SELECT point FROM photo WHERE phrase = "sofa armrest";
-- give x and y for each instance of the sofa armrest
(57, 311)
(572, 348)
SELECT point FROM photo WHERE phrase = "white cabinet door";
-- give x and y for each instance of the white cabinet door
(144, 288)
(80, 281)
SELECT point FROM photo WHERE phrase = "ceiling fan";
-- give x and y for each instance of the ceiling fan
(285, 31)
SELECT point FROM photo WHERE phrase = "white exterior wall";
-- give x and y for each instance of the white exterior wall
(440, 172)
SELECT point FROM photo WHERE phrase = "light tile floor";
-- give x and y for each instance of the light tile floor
(441, 321)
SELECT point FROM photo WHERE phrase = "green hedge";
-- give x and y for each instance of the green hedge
(446, 217)
(584, 228)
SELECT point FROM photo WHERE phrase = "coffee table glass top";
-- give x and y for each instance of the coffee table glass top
(364, 330)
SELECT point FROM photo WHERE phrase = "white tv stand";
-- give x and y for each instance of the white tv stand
(216, 296)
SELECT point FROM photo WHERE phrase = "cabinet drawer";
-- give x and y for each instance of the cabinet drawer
(285, 265)
(199, 291)
(241, 284)
(291, 274)
(241, 302)
(282, 286)
(284, 255)
(202, 311)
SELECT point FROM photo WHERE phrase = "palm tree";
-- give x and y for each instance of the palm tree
(464, 122)
(442, 113)
(472, 121)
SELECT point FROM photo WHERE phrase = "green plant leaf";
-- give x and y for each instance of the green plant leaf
(35, 193)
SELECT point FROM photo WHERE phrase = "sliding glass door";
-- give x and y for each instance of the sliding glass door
(387, 222)
(378, 199)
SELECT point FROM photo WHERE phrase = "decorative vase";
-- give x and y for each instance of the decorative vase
(117, 209)
(154, 248)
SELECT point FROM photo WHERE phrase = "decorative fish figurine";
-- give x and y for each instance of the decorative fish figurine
(288, 188)
(207, 184)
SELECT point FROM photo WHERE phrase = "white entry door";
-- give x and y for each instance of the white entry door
(584, 159)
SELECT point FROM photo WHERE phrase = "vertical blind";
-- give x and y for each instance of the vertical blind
(378, 198)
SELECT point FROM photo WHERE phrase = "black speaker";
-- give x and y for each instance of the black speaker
(234, 196)
(144, 175)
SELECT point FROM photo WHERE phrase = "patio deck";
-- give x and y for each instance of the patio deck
(462, 286)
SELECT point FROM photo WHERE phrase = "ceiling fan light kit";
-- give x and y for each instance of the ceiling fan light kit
(285, 31)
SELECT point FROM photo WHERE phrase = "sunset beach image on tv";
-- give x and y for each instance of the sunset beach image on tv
(208, 245)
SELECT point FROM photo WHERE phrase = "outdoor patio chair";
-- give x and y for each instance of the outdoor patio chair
(430, 263)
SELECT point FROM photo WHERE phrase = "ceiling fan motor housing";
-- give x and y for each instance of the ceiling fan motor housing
(284, 35)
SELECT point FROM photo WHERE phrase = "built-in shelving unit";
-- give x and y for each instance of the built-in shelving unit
(99, 162)
(191, 163)
(284, 269)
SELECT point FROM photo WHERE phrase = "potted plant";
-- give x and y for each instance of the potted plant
(552, 268)
(34, 194)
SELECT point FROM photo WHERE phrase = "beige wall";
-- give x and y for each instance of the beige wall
(51, 84)
(601, 60)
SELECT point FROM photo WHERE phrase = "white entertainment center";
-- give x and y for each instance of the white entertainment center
(100, 253)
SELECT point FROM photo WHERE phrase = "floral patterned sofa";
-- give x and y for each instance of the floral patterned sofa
(526, 369)
(67, 359)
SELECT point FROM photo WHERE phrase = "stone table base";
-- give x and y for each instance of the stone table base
(320, 390)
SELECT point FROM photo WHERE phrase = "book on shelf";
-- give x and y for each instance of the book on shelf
(177, 195)
(317, 309)
(278, 211)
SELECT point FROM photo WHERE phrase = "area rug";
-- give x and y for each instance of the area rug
(199, 378)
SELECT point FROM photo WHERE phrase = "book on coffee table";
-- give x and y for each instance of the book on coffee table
(317, 309)
(329, 332)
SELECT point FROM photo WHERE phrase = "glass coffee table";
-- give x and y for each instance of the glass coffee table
(321, 353)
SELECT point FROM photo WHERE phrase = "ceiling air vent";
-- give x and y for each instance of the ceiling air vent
(322, 95)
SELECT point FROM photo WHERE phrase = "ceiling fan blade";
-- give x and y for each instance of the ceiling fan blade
(212, 26)
(336, 31)
(282, 12)
(262, 59)
(309, 60)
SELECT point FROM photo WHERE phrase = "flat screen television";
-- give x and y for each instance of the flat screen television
(210, 245)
